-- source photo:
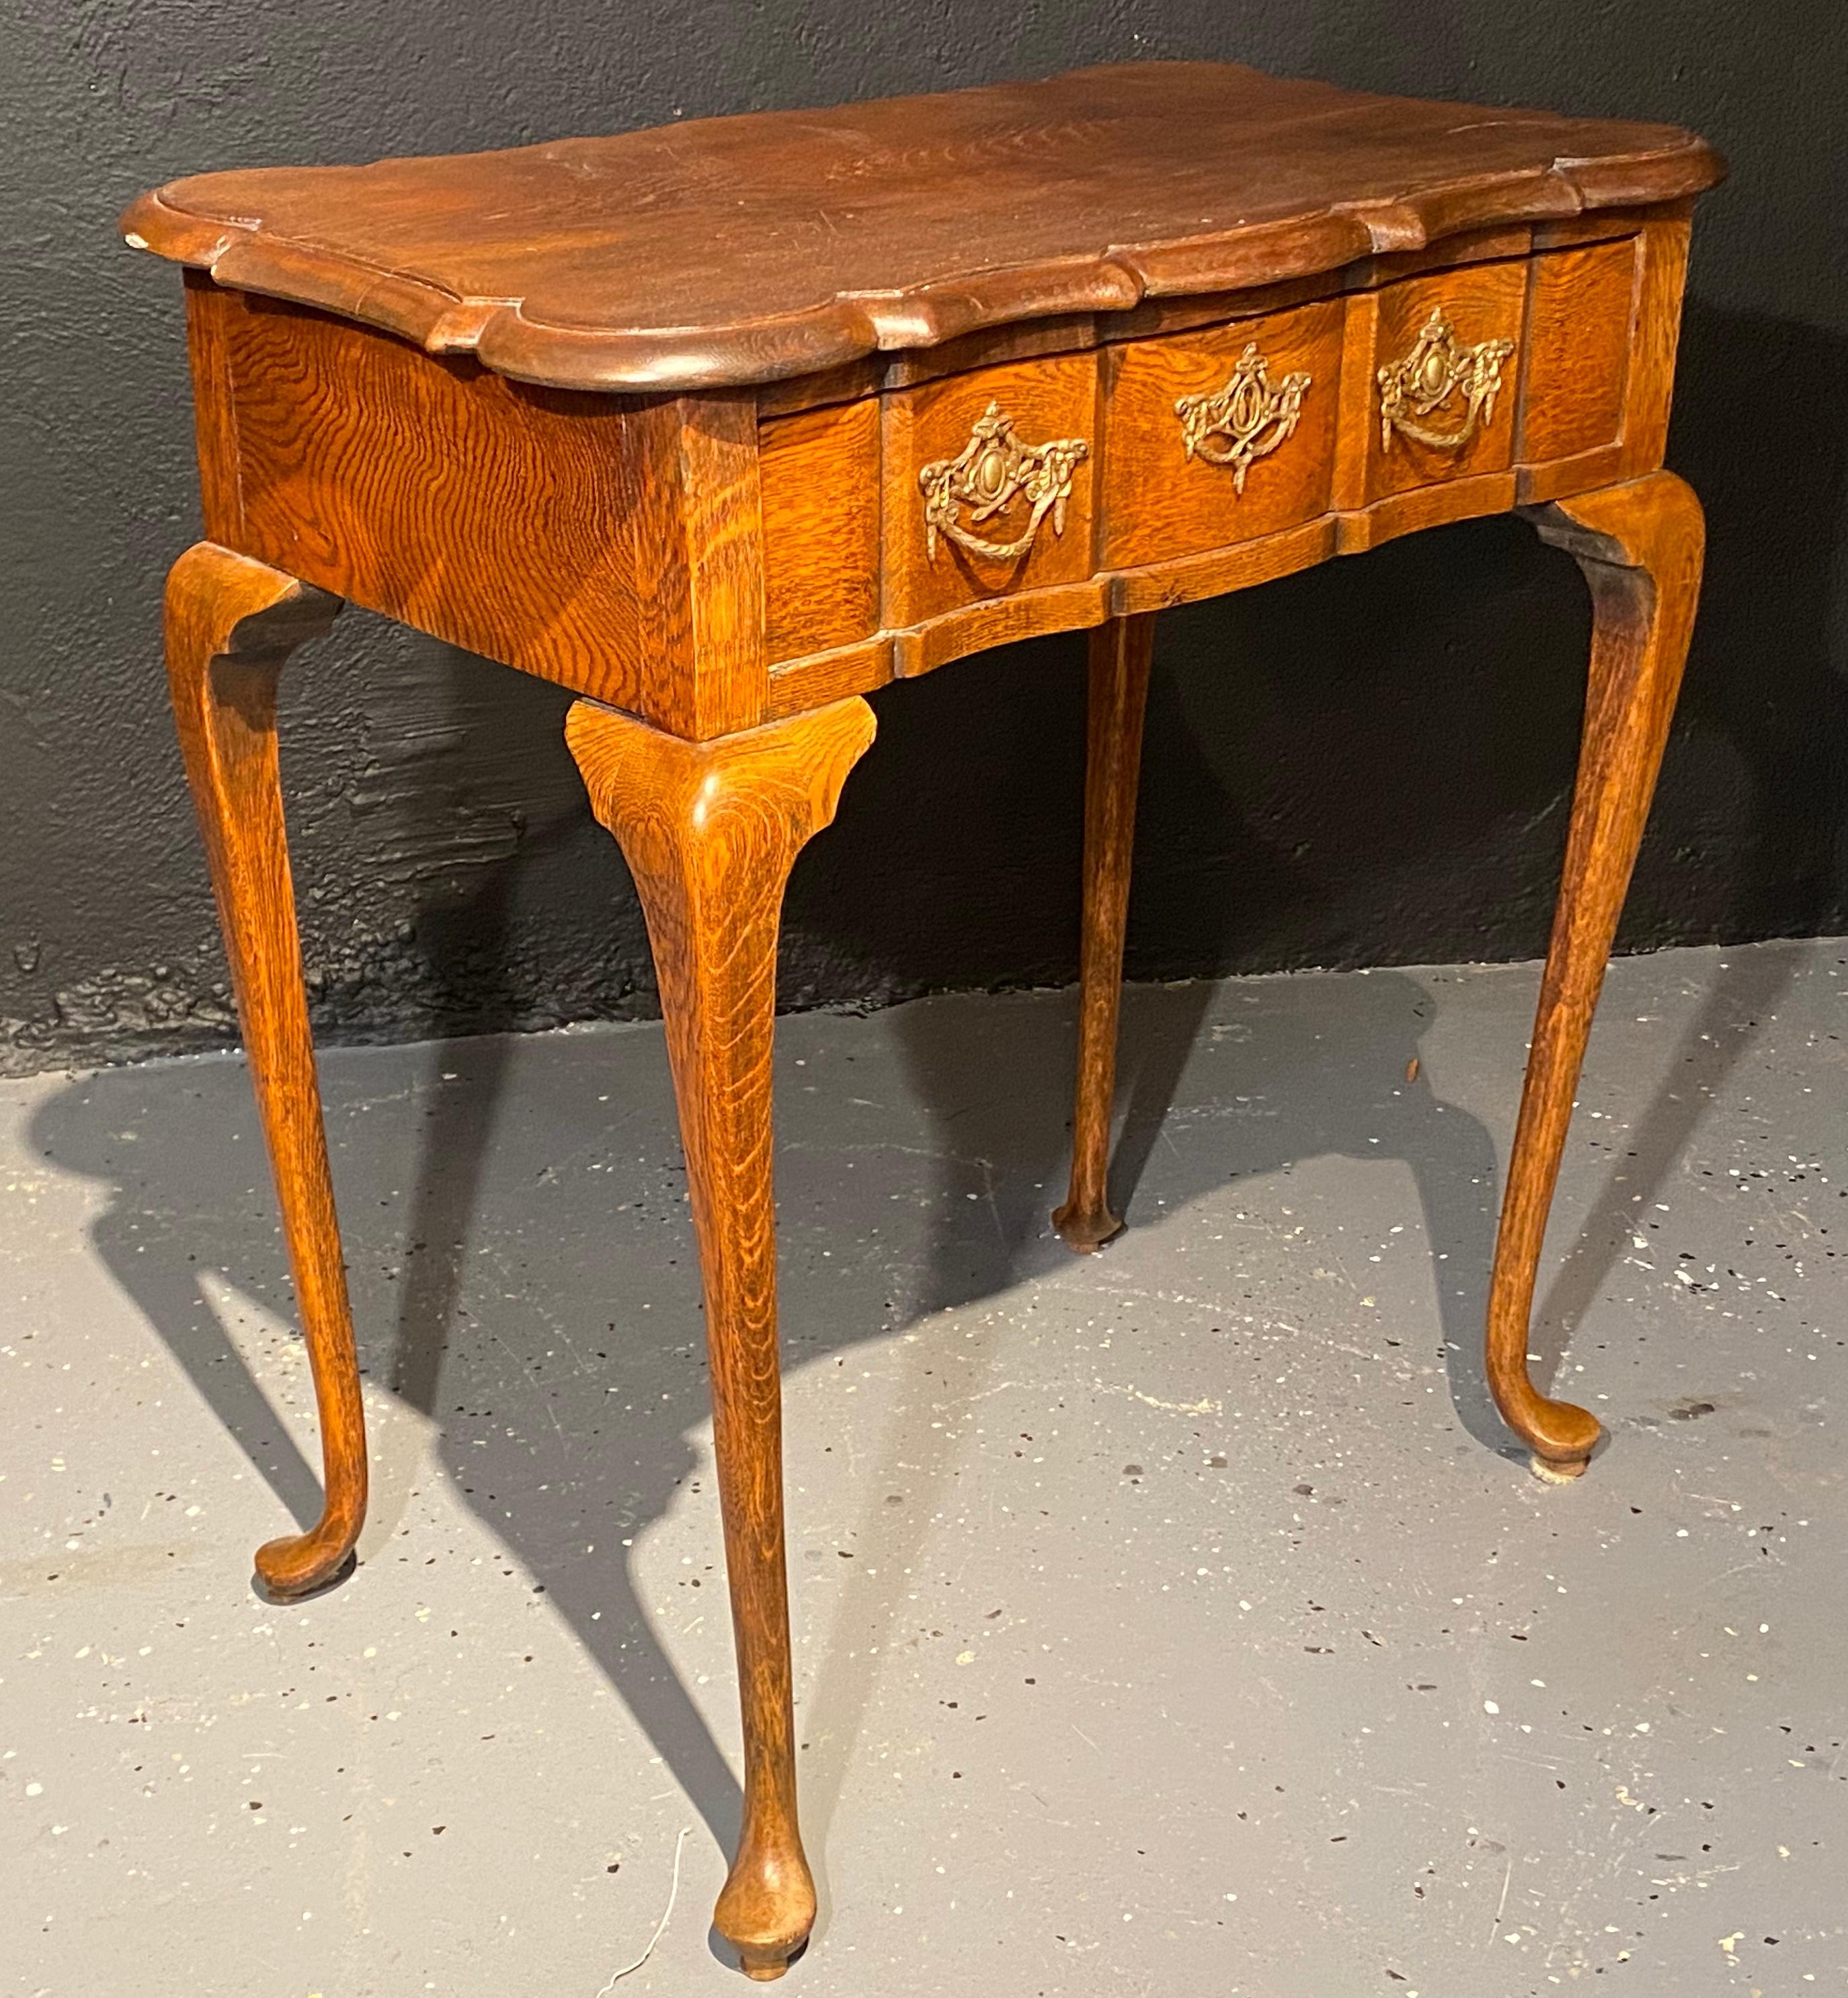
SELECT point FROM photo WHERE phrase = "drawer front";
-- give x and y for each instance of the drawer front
(1443, 384)
(1052, 473)
(1220, 436)
(987, 484)
(819, 474)
(1581, 309)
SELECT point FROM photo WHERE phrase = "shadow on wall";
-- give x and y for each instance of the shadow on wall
(480, 1281)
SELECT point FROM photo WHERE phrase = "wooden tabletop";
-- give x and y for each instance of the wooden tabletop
(731, 250)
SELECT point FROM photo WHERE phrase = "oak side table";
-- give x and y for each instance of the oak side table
(726, 425)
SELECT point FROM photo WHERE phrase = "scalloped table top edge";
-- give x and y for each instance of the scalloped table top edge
(728, 251)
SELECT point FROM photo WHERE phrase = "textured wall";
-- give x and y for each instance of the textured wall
(1366, 764)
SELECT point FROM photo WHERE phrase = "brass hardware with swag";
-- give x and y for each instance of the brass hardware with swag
(1251, 413)
(1424, 379)
(993, 469)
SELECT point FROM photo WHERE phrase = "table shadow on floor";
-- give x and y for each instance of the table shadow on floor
(461, 1288)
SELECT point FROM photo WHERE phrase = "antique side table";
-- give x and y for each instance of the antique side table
(726, 425)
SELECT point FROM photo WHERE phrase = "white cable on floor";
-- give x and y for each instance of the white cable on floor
(674, 1888)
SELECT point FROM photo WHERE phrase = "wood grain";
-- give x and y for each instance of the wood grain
(1486, 302)
(748, 337)
(606, 543)
(1461, 498)
(1655, 337)
(1120, 654)
(710, 831)
(1177, 579)
(720, 252)
(999, 620)
(1194, 579)
(697, 492)
(1640, 546)
(1160, 504)
(820, 476)
(1602, 465)
(1581, 304)
(1047, 399)
(1161, 314)
(829, 676)
(661, 553)
(231, 624)
(209, 315)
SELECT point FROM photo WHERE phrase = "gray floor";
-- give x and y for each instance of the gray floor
(1172, 1621)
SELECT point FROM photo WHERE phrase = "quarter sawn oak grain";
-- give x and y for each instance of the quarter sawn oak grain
(231, 624)
(822, 236)
(663, 417)
(1641, 548)
(710, 830)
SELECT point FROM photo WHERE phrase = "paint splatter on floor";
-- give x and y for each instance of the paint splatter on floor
(1171, 1619)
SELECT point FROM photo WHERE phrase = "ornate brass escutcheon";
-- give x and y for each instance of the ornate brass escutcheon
(1424, 379)
(992, 470)
(1251, 413)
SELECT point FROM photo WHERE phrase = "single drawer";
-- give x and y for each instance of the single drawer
(1220, 436)
(987, 484)
(1442, 372)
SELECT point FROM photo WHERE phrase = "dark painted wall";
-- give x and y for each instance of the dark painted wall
(1367, 765)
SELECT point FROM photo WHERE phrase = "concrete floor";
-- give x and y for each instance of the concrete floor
(1171, 1621)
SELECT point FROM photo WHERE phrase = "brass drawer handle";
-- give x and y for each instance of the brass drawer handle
(1425, 380)
(1250, 414)
(993, 469)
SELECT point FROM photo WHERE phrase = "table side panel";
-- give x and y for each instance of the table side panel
(1654, 340)
(554, 530)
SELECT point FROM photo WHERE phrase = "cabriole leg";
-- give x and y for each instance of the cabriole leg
(1640, 546)
(710, 830)
(1121, 651)
(231, 622)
